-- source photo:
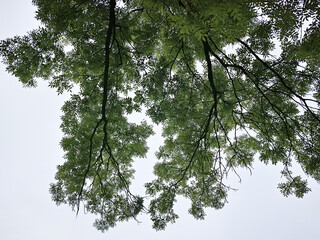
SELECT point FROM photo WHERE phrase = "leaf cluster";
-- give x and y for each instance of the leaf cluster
(126, 56)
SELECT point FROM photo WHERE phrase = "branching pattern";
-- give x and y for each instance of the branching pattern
(132, 55)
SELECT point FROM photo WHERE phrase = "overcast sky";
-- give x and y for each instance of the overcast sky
(30, 152)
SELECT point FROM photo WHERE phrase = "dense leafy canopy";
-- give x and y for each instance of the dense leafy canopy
(126, 56)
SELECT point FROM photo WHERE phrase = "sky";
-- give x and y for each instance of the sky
(30, 152)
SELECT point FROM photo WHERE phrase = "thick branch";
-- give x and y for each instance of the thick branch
(105, 92)
(112, 22)
(206, 49)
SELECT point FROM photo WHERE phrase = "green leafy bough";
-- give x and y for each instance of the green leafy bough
(131, 55)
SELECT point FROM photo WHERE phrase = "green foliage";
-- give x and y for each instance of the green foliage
(125, 56)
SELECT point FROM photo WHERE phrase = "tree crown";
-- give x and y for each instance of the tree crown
(126, 56)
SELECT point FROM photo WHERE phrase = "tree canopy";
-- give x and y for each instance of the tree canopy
(245, 103)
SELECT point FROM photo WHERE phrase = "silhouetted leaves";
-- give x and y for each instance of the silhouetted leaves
(125, 56)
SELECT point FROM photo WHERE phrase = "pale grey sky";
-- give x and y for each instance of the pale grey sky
(30, 151)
